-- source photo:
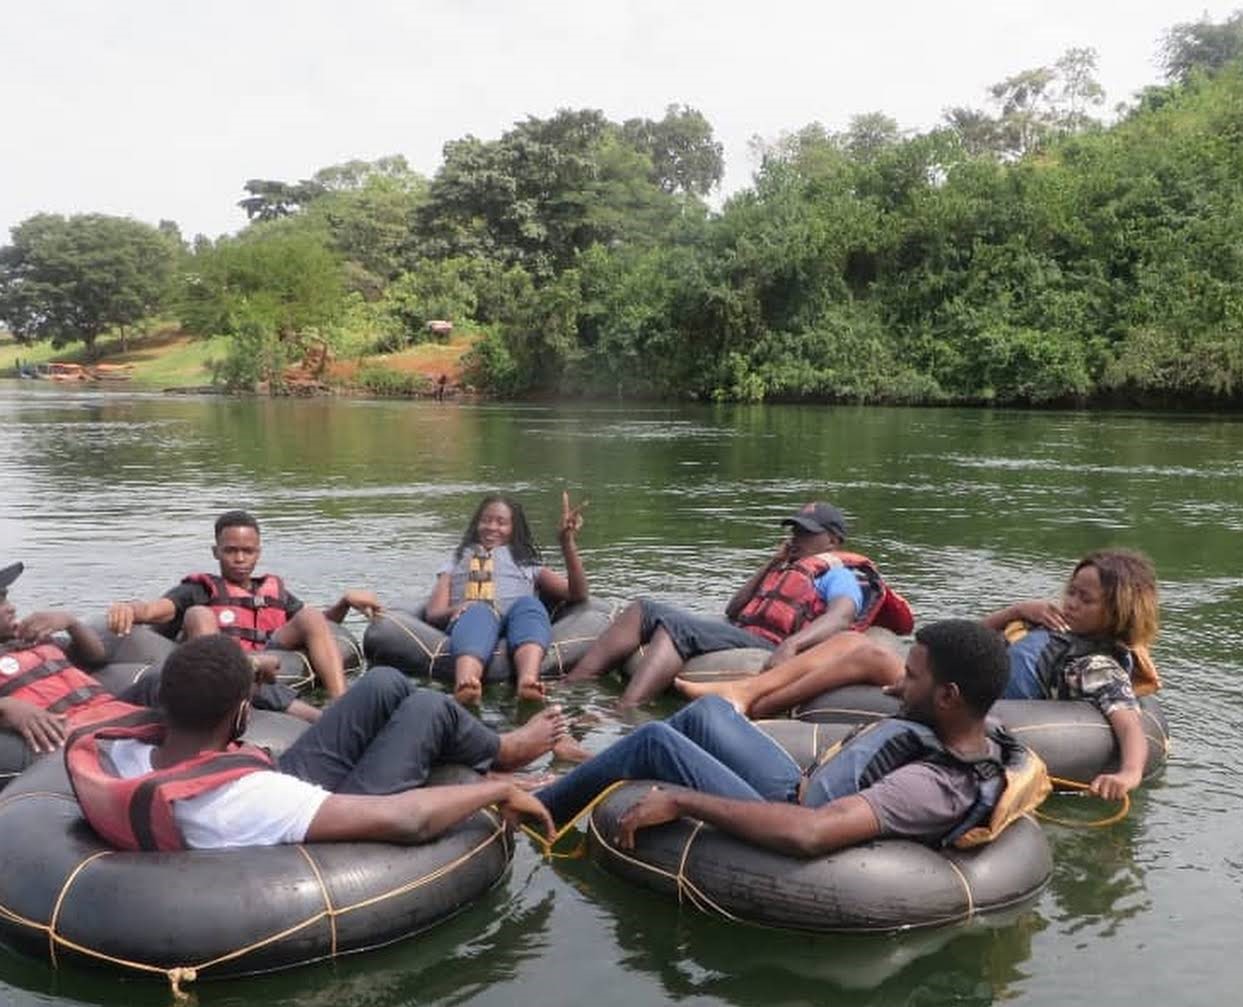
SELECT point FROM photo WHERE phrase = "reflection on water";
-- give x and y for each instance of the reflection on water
(111, 496)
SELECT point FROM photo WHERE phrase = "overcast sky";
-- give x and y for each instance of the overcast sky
(163, 108)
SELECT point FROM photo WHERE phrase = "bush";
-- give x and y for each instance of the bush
(393, 384)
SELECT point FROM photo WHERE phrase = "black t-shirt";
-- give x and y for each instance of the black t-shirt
(189, 593)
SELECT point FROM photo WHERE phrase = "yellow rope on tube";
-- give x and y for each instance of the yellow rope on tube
(1100, 823)
(547, 845)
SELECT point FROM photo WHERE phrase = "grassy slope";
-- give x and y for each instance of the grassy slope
(164, 359)
(168, 358)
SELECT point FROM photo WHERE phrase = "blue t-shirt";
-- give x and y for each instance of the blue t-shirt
(840, 582)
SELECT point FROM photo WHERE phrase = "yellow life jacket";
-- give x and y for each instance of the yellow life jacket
(480, 581)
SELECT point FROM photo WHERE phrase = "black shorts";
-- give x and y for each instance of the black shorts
(695, 634)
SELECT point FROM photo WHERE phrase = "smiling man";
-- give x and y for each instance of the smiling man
(937, 773)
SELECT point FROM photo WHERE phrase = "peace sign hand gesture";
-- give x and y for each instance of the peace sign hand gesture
(571, 517)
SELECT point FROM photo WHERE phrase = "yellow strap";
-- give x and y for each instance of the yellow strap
(1100, 823)
(546, 845)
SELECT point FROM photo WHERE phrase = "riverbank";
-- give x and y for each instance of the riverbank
(167, 358)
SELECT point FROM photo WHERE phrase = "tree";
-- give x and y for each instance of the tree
(685, 157)
(869, 134)
(270, 199)
(542, 193)
(69, 279)
(1201, 45)
(1034, 106)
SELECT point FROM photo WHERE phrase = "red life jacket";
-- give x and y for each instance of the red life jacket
(136, 813)
(43, 676)
(249, 616)
(787, 599)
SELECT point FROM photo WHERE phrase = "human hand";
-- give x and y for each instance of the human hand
(656, 807)
(120, 618)
(365, 602)
(783, 652)
(571, 517)
(40, 625)
(517, 804)
(43, 731)
(266, 667)
(782, 555)
(1114, 786)
(1042, 613)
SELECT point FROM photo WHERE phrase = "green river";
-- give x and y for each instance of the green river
(113, 495)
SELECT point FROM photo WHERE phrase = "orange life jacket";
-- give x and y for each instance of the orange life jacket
(249, 616)
(136, 813)
(787, 600)
(43, 676)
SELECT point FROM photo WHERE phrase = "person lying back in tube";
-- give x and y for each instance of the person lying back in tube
(256, 611)
(810, 592)
(1093, 646)
(937, 773)
(355, 775)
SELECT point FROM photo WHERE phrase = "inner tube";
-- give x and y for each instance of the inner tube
(295, 668)
(1074, 740)
(404, 641)
(146, 645)
(67, 897)
(885, 885)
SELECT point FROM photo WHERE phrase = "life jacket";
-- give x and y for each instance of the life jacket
(480, 576)
(787, 600)
(136, 813)
(43, 676)
(249, 616)
(1065, 648)
(1007, 787)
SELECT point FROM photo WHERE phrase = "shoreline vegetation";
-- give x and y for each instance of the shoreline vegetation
(1034, 251)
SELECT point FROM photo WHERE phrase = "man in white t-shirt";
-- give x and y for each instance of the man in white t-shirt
(353, 776)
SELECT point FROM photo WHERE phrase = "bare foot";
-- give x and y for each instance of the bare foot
(569, 750)
(532, 691)
(534, 738)
(734, 693)
(468, 692)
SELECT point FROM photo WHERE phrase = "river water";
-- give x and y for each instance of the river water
(110, 496)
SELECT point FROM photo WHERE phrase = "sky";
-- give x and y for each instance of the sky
(163, 108)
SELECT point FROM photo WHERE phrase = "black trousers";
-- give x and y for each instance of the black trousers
(385, 735)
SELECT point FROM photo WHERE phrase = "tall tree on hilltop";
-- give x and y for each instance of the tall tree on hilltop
(685, 156)
(1201, 45)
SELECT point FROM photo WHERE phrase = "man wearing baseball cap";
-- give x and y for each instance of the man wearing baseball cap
(809, 591)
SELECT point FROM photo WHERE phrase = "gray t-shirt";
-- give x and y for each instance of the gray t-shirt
(513, 580)
(923, 801)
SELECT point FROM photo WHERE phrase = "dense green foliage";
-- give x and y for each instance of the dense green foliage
(71, 279)
(1021, 252)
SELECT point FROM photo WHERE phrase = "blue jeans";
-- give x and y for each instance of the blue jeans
(476, 630)
(707, 746)
(385, 735)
